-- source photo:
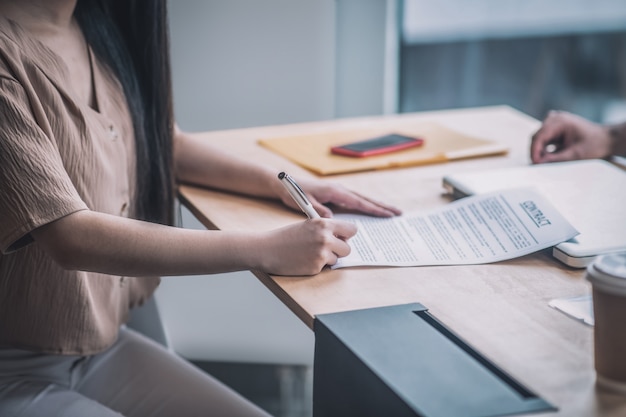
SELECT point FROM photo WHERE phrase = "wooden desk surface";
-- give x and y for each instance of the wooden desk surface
(501, 309)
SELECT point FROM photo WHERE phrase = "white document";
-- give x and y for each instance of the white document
(473, 230)
(579, 308)
(587, 192)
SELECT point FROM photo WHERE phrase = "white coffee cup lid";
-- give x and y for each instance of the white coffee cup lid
(608, 273)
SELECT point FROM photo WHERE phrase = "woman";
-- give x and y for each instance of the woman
(88, 159)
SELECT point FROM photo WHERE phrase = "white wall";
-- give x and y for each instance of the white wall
(242, 63)
(366, 57)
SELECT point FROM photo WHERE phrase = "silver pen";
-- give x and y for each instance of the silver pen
(298, 195)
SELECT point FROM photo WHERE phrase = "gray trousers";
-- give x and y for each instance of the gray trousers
(135, 377)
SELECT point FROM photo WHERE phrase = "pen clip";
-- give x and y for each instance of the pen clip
(298, 195)
(297, 188)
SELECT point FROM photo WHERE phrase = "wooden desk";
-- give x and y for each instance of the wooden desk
(501, 309)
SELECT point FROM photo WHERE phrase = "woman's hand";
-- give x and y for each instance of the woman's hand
(564, 137)
(322, 193)
(304, 248)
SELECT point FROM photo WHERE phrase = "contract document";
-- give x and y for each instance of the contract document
(473, 230)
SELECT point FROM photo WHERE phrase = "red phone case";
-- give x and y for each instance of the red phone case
(376, 146)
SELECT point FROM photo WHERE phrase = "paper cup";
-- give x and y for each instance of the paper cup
(607, 275)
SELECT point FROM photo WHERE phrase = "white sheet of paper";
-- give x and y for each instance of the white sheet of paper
(579, 308)
(473, 230)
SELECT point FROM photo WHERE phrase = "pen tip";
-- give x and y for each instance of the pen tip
(281, 175)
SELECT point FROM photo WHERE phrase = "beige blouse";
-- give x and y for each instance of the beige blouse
(58, 156)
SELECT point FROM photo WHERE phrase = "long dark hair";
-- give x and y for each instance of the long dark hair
(131, 37)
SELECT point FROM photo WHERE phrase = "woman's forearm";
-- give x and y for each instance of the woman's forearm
(200, 163)
(98, 242)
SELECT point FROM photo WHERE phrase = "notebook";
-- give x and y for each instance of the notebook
(440, 144)
(591, 194)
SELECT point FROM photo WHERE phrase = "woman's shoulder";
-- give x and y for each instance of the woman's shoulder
(19, 53)
(10, 51)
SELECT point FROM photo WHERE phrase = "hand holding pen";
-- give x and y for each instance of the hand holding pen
(322, 241)
(321, 249)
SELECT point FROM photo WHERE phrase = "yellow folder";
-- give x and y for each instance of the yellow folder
(440, 144)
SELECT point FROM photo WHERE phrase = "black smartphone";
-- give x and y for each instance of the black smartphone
(377, 146)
